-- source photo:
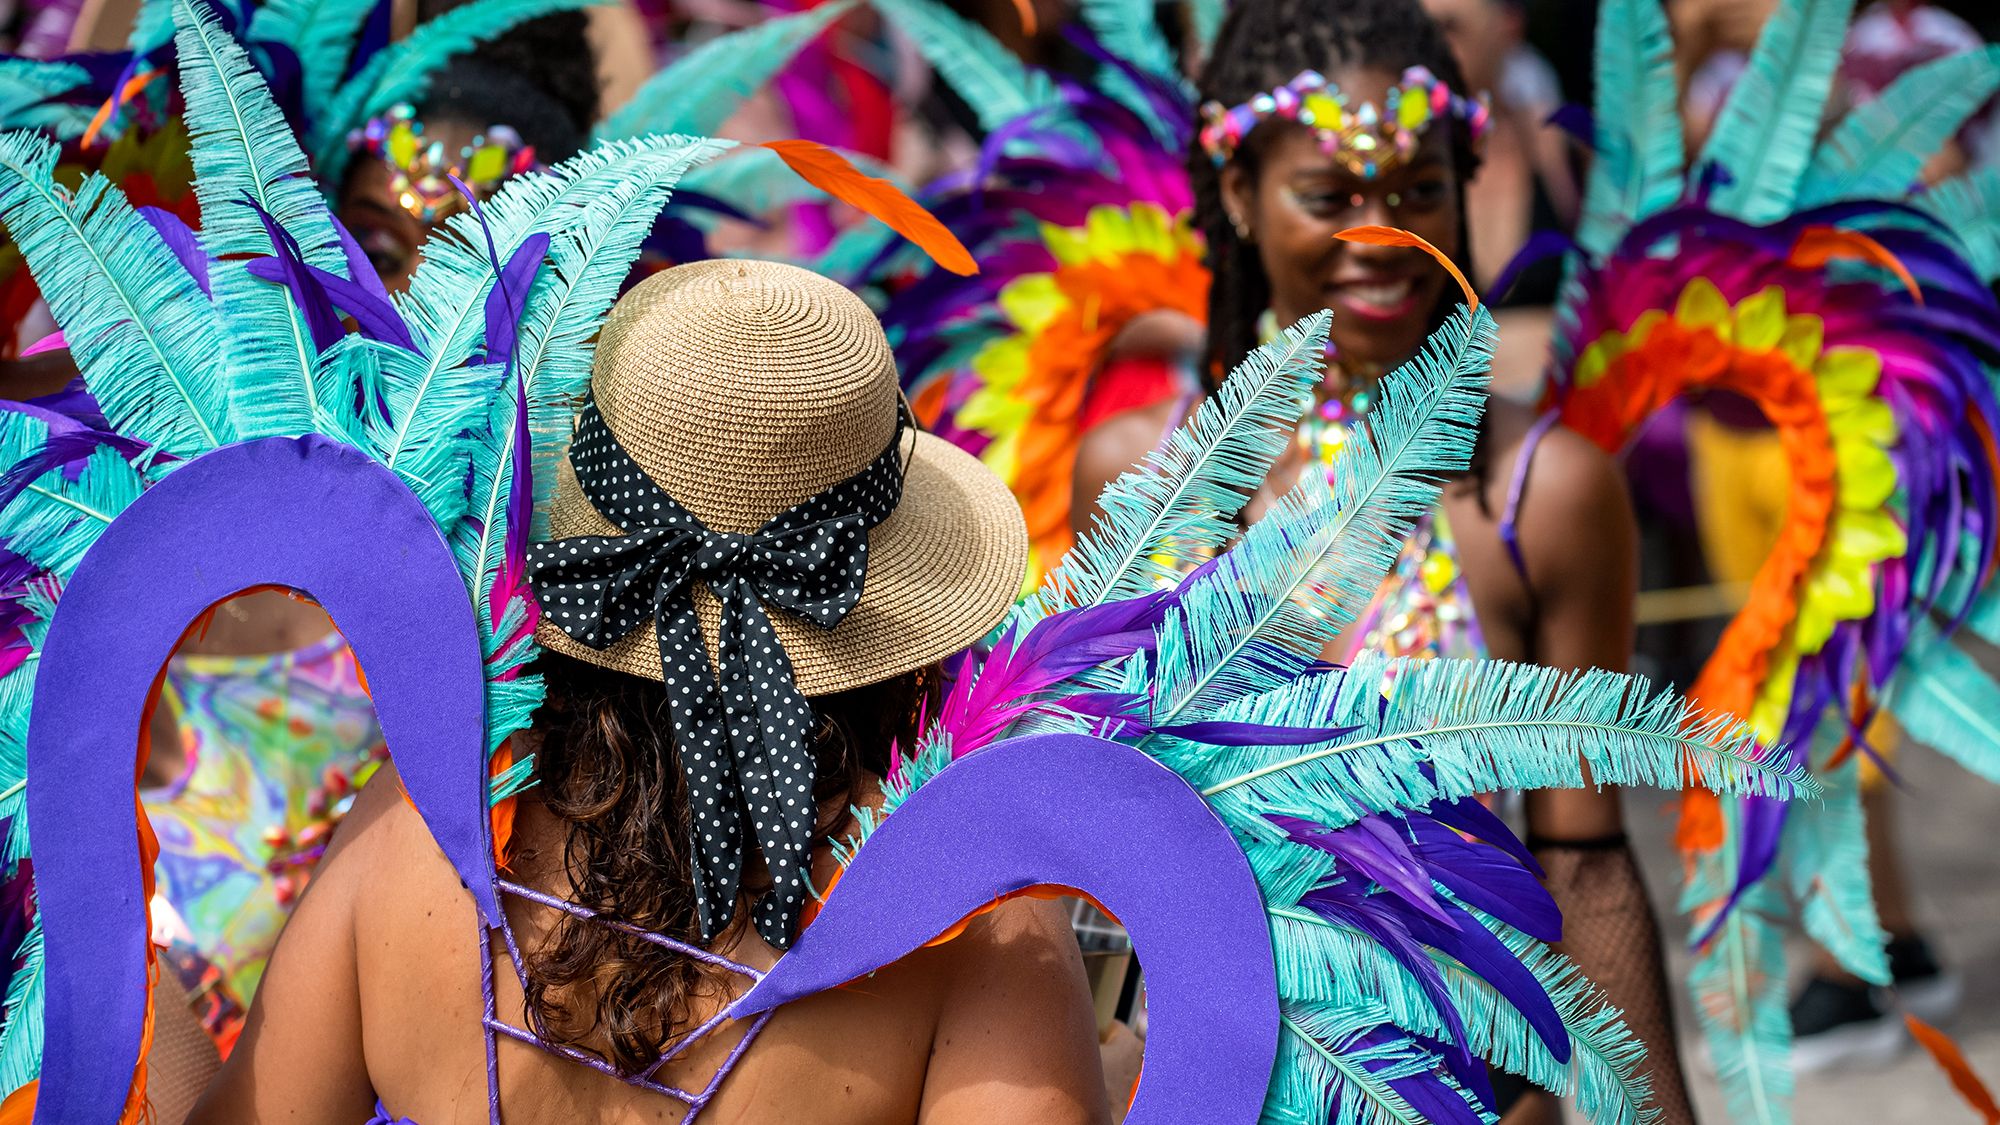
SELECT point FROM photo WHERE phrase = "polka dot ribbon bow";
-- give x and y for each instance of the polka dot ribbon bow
(744, 734)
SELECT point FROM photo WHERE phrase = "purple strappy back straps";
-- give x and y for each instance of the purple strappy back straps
(1517, 487)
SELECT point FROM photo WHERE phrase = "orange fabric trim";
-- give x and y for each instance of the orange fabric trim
(1103, 297)
(1671, 360)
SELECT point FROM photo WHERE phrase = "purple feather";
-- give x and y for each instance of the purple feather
(509, 297)
(307, 293)
(180, 239)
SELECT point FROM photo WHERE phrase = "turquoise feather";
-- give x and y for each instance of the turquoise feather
(152, 26)
(1130, 29)
(1944, 699)
(323, 33)
(1638, 167)
(1765, 135)
(1481, 726)
(1878, 150)
(1824, 854)
(1969, 206)
(437, 395)
(699, 90)
(1320, 1065)
(1332, 542)
(1738, 982)
(243, 150)
(990, 79)
(21, 1034)
(1323, 961)
(1205, 20)
(26, 85)
(54, 520)
(141, 331)
(1182, 499)
(401, 72)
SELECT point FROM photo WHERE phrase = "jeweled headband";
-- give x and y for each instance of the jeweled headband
(1365, 139)
(421, 174)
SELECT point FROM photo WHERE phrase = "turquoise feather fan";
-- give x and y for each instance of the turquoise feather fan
(997, 85)
(698, 91)
(1765, 134)
(1878, 150)
(1235, 656)
(1639, 162)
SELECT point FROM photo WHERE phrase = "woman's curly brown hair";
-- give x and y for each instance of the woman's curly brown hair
(608, 770)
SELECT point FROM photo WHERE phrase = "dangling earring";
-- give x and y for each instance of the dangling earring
(1242, 228)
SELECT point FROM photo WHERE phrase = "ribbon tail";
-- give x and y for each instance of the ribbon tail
(770, 729)
(701, 743)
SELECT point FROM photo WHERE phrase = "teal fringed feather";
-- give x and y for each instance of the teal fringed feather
(1324, 961)
(401, 72)
(152, 26)
(54, 520)
(1182, 499)
(244, 151)
(1250, 624)
(1947, 701)
(26, 85)
(1738, 981)
(141, 331)
(1878, 149)
(1638, 167)
(1321, 1065)
(1130, 29)
(21, 1033)
(1482, 726)
(1824, 854)
(1969, 206)
(1205, 21)
(323, 33)
(1767, 130)
(698, 91)
(996, 84)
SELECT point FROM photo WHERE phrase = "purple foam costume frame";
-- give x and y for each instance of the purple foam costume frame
(1075, 811)
(1066, 810)
(302, 512)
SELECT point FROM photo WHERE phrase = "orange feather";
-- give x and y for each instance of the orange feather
(1030, 25)
(830, 172)
(1952, 1061)
(1395, 236)
(131, 88)
(1819, 245)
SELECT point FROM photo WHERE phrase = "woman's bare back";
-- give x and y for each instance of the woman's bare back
(995, 1024)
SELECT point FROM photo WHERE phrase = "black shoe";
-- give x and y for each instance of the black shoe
(1922, 987)
(1836, 1024)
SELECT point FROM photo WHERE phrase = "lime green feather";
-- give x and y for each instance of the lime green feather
(1638, 166)
(1824, 854)
(699, 90)
(141, 331)
(323, 33)
(1878, 150)
(985, 74)
(401, 72)
(244, 151)
(1765, 135)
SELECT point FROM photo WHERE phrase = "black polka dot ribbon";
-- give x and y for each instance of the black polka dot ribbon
(744, 733)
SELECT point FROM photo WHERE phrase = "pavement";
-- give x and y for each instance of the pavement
(1948, 818)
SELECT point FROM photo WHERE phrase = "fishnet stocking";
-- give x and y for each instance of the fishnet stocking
(1609, 931)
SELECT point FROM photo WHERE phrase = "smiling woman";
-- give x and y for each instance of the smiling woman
(1319, 121)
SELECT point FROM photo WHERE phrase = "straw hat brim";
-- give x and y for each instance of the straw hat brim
(942, 571)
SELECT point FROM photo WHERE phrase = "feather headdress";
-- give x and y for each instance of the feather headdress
(1804, 275)
(1405, 952)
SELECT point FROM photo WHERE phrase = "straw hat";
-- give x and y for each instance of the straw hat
(743, 388)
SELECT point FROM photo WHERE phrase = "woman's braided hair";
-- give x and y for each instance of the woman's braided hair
(1264, 44)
